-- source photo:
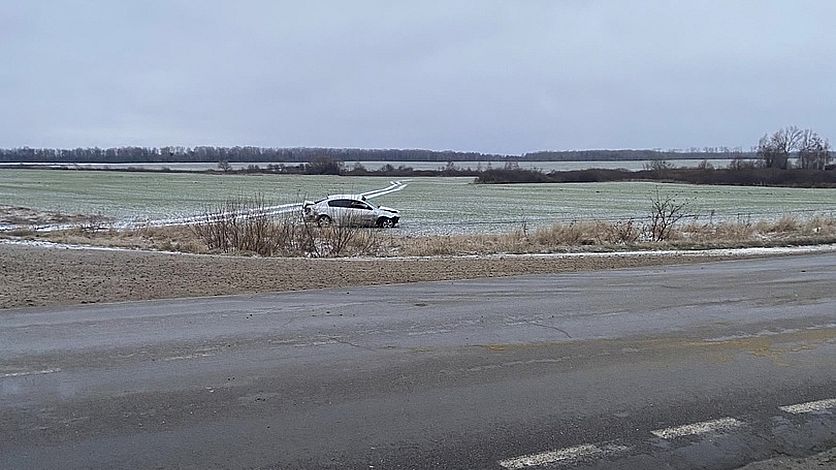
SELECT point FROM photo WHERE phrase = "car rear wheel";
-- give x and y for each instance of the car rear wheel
(324, 221)
(385, 222)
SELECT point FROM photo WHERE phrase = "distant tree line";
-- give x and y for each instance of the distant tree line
(774, 151)
(208, 154)
(752, 176)
(772, 167)
(329, 166)
(230, 154)
(710, 153)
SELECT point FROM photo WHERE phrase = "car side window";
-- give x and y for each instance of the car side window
(360, 205)
(339, 203)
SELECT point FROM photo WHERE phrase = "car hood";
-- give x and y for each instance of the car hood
(387, 209)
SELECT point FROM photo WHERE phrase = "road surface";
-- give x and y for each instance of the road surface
(712, 365)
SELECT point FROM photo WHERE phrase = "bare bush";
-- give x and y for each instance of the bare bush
(239, 226)
(344, 237)
(366, 241)
(666, 211)
(339, 235)
(93, 223)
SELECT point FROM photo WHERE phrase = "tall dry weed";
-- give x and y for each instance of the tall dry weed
(238, 226)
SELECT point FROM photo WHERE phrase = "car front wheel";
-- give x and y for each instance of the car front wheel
(385, 222)
(323, 221)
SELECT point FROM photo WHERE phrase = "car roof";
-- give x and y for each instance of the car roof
(356, 197)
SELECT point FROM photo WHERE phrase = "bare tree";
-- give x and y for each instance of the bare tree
(705, 165)
(666, 211)
(323, 165)
(775, 150)
(813, 151)
(658, 166)
(740, 163)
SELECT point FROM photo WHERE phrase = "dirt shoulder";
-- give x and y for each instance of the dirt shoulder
(40, 276)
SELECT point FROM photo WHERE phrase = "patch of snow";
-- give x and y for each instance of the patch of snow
(64, 246)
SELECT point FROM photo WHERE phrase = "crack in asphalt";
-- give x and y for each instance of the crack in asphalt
(349, 343)
(532, 322)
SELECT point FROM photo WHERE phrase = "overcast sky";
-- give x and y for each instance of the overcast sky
(492, 76)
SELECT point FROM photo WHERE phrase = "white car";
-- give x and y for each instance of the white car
(350, 209)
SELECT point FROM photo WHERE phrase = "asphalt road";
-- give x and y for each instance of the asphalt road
(701, 366)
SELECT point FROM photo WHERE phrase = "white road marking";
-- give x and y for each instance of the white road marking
(562, 455)
(188, 356)
(810, 406)
(31, 372)
(697, 428)
(316, 343)
(427, 332)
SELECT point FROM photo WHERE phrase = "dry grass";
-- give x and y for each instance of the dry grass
(786, 230)
(24, 216)
(555, 238)
(320, 242)
(294, 238)
(239, 226)
(516, 241)
(176, 238)
(630, 234)
(596, 232)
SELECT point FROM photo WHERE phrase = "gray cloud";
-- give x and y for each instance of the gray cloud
(493, 76)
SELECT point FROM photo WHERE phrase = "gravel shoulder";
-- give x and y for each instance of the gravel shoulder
(42, 276)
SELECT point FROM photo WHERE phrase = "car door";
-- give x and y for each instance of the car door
(362, 213)
(340, 210)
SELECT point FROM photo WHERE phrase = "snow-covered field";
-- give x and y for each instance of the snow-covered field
(429, 205)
